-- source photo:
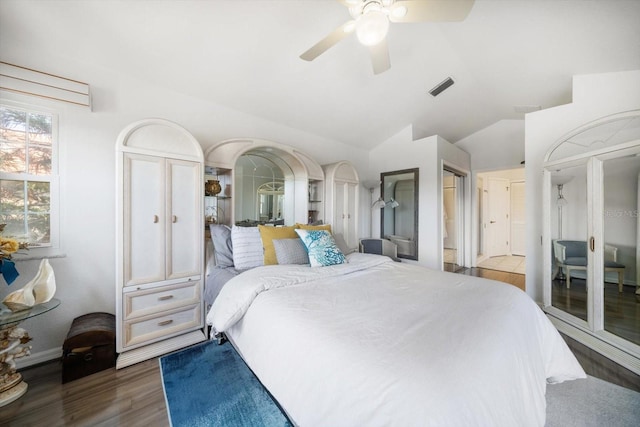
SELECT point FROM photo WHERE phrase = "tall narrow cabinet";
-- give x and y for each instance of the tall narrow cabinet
(341, 201)
(159, 243)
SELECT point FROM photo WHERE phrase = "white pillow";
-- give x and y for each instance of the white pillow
(247, 247)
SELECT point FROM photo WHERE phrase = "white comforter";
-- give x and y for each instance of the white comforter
(379, 343)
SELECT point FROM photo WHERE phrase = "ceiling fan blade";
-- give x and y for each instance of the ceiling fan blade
(430, 10)
(380, 57)
(333, 38)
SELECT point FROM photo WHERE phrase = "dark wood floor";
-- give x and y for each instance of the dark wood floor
(127, 397)
(515, 279)
(621, 309)
(133, 396)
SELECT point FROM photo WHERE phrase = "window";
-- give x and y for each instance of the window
(28, 174)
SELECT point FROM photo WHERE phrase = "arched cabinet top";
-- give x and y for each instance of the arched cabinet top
(343, 171)
(159, 137)
(225, 154)
(600, 135)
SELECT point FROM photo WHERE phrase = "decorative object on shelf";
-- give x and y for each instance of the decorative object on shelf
(39, 290)
(313, 192)
(212, 187)
(8, 247)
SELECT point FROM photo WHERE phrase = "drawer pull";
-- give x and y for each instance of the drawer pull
(165, 297)
(165, 322)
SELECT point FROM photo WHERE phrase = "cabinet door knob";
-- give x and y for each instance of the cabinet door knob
(155, 219)
(165, 322)
(174, 219)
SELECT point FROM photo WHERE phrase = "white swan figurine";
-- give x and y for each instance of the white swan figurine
(39, 290)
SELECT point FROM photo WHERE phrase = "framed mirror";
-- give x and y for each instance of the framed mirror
(399, 216)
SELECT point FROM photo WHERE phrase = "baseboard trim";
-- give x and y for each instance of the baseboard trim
(140, 354)
(39, 357)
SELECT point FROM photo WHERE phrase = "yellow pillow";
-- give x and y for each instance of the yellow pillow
(268, 234)
(314, 227)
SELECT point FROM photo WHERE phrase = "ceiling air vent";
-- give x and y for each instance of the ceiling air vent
(438, 89)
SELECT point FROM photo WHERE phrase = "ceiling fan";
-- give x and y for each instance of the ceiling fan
(371, 18)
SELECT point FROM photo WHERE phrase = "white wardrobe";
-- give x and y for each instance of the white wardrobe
(341, 201)
(159, 243)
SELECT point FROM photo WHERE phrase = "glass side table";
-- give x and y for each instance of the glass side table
(13, 345)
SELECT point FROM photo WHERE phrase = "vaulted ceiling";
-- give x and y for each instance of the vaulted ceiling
(245, 55)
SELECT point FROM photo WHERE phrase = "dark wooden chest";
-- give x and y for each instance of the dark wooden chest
(90, 346)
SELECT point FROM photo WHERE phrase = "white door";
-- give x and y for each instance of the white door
(350, 230)
(518, 216)
(498, 227)
(144, 219)
(345, 207)
(449, 218)
(339, 211)
(184, 235)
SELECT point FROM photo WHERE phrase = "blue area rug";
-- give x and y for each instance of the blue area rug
(210, 385)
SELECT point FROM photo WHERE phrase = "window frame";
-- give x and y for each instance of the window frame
(51, 248)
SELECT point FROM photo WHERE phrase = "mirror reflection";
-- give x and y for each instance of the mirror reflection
(399, 216)
(260, 189)
(593, 203)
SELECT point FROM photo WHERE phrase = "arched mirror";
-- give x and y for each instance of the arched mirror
(270, 203)
(260, 182)
(399, 216)
(234, 161)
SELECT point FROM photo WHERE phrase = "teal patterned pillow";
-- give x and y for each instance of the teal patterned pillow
(321, 247)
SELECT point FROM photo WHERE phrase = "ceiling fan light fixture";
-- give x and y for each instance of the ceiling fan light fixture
(372, 27)
(399, 11)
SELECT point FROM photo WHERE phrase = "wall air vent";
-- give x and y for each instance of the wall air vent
(438, 89)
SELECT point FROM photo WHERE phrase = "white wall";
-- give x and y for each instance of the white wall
(429, 155)
(594, 96)
(85, 272)
(498, 146)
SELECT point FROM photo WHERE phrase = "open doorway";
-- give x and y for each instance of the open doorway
(501, 220)
(452, 220)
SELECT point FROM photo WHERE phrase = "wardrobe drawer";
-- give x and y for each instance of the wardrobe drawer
(153, 328)
(160, 299)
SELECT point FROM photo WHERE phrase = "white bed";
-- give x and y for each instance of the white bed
(374, 342)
